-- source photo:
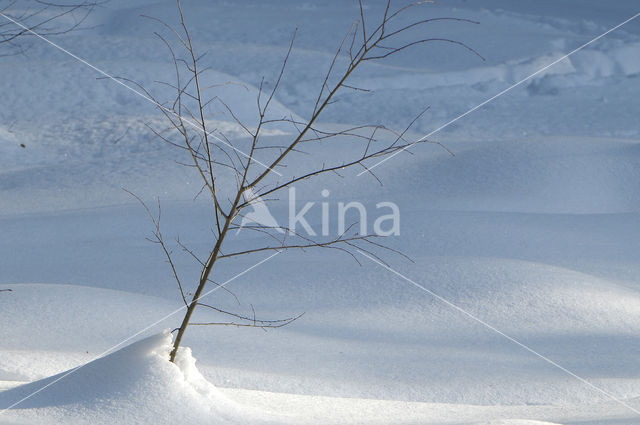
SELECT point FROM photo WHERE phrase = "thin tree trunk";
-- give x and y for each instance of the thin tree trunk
(204, 278)
(206, 271)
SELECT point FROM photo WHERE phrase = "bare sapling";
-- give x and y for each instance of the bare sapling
(235, 173)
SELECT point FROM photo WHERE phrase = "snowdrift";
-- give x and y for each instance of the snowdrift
(560, 175)
(136, 384)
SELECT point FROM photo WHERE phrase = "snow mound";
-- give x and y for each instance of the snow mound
(136, 384)
(568, 175)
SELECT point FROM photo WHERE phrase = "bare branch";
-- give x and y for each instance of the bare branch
(41, 20)
(160, 240)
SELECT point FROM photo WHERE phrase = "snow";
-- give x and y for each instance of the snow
(138, 385)
(533, 227)
(135, 385)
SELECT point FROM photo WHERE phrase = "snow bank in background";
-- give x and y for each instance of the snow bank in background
(136, 384)
(587, 68)
(566, 175)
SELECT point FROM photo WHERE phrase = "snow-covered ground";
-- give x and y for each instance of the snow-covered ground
(532, 228)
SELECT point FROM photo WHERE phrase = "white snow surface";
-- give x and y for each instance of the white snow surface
(532, 227)
(137, 377)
